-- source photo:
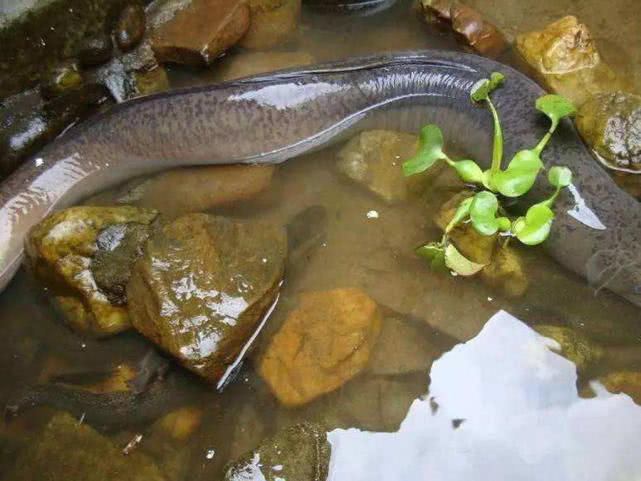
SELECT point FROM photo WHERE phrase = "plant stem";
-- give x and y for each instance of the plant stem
(497, 146)
(541, 145)
(549, 202)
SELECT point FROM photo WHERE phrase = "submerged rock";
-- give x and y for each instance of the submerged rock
(564, 57)
(67, 449)
(273, 22)
(321, 345)
(574, 346)
(95, 50)
(611, 125)
(473, 29)
(62, 249)
(61, 79)
(194, 189)
(23, 135)
(374, 160)
(401, 348)
(628, 382)
(130, 27)
(200, 31)
(300, 452)
(202, 286)
(306, 233)
(251, 63)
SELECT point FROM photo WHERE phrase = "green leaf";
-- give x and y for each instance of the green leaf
(430, 149)
(462, 211)
(468, 171)
(555, 107)
(534, 228)
(434, 253)
(483, 213)
(560, 177)
(482, 88)
(455, 261)
(520, 174)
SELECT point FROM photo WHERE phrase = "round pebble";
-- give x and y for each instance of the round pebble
(130, 27)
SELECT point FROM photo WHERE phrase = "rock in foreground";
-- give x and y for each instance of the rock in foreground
(298, 453)
(202, 286)
(84, 255)
(321, 345)
(198, 33)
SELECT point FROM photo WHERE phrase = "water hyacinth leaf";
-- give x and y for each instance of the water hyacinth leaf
(555, 107)
(468, 171)
(462, 212)
(483, 213)
(496, 79)
(460, 264)
(560, 177)
(520, 174)
(434, 253)
(535, 227)
(430, 149)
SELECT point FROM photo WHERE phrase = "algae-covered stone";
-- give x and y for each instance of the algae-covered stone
(273, 22)
(506, 272)
(67, 449)
(611, 125)
(565, 58)
(62, 78)
(152, 81)
(95, 50)
(628, 382)
(61, 251)
(574, 346)
(300, 452)
(321, 345)
(374, 160)
(202, 286)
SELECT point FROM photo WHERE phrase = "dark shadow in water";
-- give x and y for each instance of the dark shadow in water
(523, 420)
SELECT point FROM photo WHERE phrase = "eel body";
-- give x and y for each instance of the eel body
(275, 117)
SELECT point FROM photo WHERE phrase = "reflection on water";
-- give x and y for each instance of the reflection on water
(500, 406)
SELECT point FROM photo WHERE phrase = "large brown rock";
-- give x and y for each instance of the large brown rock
(84, 255)
(273, 22)
(251, 63)
(564, 57)
(202, 286)
(198, 33)
(321, 345)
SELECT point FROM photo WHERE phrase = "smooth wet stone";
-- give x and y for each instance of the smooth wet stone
(95, 50)
(130, 27)
(202, 286)
(472, 28)
(195, 189)
(374, 160)
(611, 125)
(200, 31)
(151, 82)
(23, 135)
(61, 251)
(245, 64)
(61, 79)
(564, 57)
(273, 22)
(67, 449)
(401, 348)
(321, 345)
(574, 346)
(300, 452)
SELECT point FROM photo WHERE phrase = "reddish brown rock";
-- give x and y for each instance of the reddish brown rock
(321, 345)
(201, 31)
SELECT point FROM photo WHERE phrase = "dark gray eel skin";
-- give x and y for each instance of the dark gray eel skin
(278, 116)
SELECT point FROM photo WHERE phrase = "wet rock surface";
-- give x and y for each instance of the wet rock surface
(60, 253)
(300, 452)
(321, 345)
(61, 79)
(130, 27)
(202, 286)
(564, 57)
(628, 382)
(23, 134)
(574, 346)
(472, 28)
(611, 125)
(273, 22)
(67, 449)
(200, 31)
(306, 233)
(251, 63)
(374, 160)
(95, 50)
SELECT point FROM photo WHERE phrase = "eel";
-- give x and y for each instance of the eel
(278, 116)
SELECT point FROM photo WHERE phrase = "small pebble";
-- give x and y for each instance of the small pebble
(95, 50)
(130, 27)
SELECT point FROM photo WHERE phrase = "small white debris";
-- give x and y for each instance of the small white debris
(210, 453)
(278, 467)
(372, 214)
(39, 161)
(490, 299)
(264, 259)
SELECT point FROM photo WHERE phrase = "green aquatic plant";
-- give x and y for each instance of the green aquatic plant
(483, 210)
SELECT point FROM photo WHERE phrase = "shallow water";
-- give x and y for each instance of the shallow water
(498, 403)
